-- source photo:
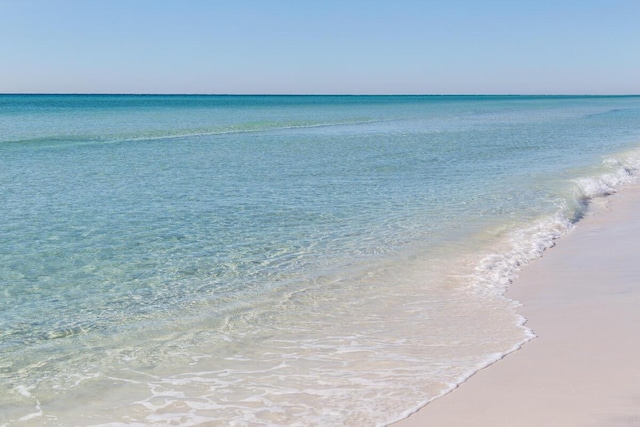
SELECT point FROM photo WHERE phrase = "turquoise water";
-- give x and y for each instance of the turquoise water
(278, 260)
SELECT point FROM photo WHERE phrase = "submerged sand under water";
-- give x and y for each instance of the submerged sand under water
(278, 260)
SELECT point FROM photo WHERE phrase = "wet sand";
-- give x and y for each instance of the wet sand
(582, 300)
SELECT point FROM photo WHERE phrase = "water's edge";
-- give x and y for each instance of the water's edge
(590, 190)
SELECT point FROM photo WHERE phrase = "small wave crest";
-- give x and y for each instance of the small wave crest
(153, 135)
(498, 269)
(619, 172)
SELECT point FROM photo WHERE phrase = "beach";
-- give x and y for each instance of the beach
(581, 300)
(293, 260)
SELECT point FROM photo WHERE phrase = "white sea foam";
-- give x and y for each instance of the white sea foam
(496, 271)
(622, 172)
(24, 391)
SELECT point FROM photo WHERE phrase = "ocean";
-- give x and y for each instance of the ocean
(278, 260)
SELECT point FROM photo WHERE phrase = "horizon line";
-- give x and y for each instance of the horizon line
(308, 94)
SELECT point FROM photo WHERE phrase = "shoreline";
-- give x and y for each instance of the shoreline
(581, 369)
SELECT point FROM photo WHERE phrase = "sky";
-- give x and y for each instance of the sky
(320, 46)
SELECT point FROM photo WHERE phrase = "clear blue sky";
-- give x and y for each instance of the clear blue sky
(320, 46)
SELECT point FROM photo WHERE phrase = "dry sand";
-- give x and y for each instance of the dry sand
(582, 300)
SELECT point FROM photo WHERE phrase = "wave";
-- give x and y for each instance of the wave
(497, 270)
(622, 171)
(151, 135)
(612, 111)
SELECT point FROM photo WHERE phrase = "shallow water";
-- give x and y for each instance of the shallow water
(266, 260)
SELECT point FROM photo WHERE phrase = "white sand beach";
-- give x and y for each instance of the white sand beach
(582, 300)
